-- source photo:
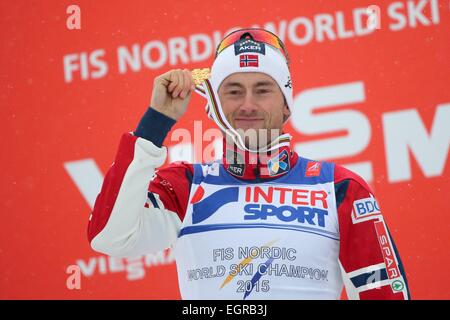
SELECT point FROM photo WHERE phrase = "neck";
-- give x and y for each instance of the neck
(258, 165)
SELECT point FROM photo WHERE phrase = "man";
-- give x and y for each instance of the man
(263, 223)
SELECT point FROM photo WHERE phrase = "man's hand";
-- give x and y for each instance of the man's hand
(172, 92)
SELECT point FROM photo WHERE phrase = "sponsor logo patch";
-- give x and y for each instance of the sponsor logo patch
(313, 169)
(249, 45)
(286, 204)
(279, 164)
(235, 163)
(365, 209)
(236, 169)
(288, 83)
(389, 257)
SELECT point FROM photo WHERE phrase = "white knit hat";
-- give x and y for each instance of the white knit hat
(246, 55)
(249, 55)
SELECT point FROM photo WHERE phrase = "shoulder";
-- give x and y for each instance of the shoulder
(176, 168)
(351, 192)
(344, 175)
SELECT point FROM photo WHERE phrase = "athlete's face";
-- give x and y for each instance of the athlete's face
(253, 100)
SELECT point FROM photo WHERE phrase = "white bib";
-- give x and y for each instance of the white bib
(275, 239)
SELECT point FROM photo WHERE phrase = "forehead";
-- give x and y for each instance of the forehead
(248, 79)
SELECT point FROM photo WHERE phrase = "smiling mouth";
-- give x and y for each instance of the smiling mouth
(247, 122)
(247, 119)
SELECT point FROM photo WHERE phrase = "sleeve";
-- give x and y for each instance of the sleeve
(139, 210)
(370, 264)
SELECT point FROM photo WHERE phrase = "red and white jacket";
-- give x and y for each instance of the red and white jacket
(284, 227)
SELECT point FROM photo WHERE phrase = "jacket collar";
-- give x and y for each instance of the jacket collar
(247, 165)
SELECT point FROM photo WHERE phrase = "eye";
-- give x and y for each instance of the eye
(263, 91)
(234, 92)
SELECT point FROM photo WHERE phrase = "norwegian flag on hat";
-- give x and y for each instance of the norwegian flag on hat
(248, 60)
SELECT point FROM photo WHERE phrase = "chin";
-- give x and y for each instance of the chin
(252, 145)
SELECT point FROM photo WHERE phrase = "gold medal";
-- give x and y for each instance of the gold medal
(200, 75)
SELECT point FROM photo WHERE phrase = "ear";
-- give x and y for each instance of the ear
(286, 113)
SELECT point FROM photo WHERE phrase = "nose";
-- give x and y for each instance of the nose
(248, 105)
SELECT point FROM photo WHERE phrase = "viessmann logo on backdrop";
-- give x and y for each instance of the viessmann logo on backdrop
(266, 204)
